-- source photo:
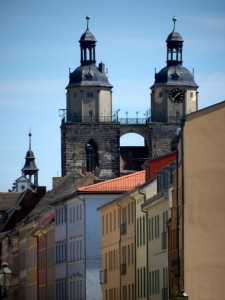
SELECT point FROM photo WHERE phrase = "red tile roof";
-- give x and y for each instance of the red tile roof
(119, 184)
(156, 164)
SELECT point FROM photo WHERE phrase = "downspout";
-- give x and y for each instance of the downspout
(177, 221)
(37, 263)
(135, 249)
(147, 256)
(46, 263)
(182, 191)
(120, 250)
(84, 230)
(67, 279)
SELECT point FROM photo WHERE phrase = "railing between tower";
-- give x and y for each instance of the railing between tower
(129, 121)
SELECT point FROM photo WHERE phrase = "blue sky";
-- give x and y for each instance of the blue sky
(39, 43)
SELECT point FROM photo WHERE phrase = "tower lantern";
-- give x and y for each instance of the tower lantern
(30, 169)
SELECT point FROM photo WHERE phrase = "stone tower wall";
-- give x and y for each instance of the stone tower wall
(74, 138)
(161, 137)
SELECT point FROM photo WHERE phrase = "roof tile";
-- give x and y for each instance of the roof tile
(123, 183)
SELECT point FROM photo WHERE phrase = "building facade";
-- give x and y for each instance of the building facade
(203, 203)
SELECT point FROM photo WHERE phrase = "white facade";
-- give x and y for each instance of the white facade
(78, 246)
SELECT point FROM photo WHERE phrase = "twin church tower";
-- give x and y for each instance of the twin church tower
(90, 133)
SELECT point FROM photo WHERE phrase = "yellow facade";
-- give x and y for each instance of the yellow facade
(124, 244)
(110, 279)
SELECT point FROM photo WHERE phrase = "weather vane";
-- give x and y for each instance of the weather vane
(174, 22)
(87, 18)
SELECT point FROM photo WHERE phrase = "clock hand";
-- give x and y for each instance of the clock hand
(176, 95)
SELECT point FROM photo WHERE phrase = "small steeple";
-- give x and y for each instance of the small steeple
(87, 46)
(30, 169)
(174, 47)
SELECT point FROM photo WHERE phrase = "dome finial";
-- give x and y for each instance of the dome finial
(30, 139)
(174, 22)
(87, 18)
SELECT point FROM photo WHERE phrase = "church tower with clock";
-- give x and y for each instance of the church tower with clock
(174, 93)
(89, 136)
(90, 132)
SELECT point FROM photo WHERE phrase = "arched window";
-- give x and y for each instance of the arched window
(91, 156)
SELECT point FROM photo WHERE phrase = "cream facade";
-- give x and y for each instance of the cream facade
(145, 192)
(158, 214)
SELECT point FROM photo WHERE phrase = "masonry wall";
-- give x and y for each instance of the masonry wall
(74, 138)
(161, 138)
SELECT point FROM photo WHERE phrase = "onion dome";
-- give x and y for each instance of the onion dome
(87, 74)
(174, 73)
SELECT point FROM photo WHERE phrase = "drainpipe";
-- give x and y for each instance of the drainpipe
(37, 263)
(46, 263)
(84, 235)
(147, 256)
(120, 250)
(177, 221)
(182, 190)
(135, 248)
(67, 285)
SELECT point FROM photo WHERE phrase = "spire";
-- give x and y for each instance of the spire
(87, 18)
(30, 140)
(87, 46)
(174, 46)
(174, 22)
(30, 167)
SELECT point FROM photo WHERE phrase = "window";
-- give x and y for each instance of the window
(160, 94)
(165, 284)
(114, 220)
(103, 226)
(74, 94)
(90, 94)
(60, 251)
(110, 222)
(154, 282)
(164, 230)
(91, 156)
(153, 228)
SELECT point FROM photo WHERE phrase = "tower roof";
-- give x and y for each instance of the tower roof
(174, 36)
(87, 74)
(87, 36)
(30, 167)
(174, 73)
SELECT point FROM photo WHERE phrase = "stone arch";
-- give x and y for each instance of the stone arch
(141, 129)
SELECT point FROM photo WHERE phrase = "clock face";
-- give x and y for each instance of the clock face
(176, 95)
